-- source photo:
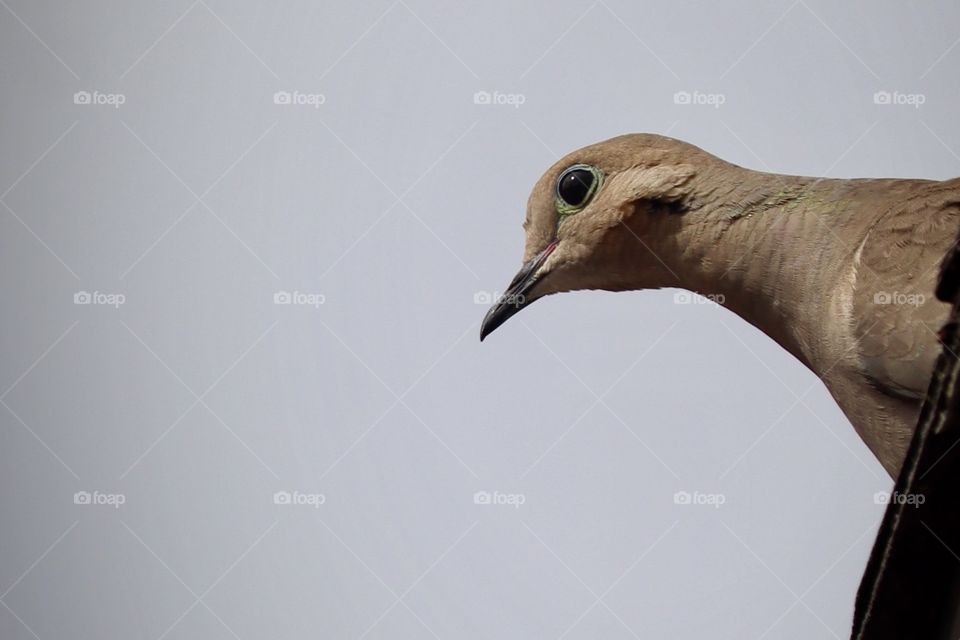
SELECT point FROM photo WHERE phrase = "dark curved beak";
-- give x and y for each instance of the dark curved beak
(515, 297)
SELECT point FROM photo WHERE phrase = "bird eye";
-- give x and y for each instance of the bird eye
(575, 187)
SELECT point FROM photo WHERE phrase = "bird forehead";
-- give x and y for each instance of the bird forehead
(620, 153)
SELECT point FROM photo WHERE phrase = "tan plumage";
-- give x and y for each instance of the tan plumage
(839, 272)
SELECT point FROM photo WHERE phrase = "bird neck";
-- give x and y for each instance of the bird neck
(753, 245)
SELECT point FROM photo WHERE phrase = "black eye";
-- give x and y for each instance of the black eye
(576, 185)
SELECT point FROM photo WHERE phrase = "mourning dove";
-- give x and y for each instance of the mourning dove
(840, 273)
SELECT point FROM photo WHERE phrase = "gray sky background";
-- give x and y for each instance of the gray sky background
(169, 168)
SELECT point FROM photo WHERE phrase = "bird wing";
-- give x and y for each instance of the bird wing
(896, 314)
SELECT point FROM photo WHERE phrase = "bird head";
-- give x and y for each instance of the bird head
(602, 218)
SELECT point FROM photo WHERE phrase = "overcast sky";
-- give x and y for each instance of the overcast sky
(246, 249)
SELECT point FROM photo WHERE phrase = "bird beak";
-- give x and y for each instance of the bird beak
(515, 297)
